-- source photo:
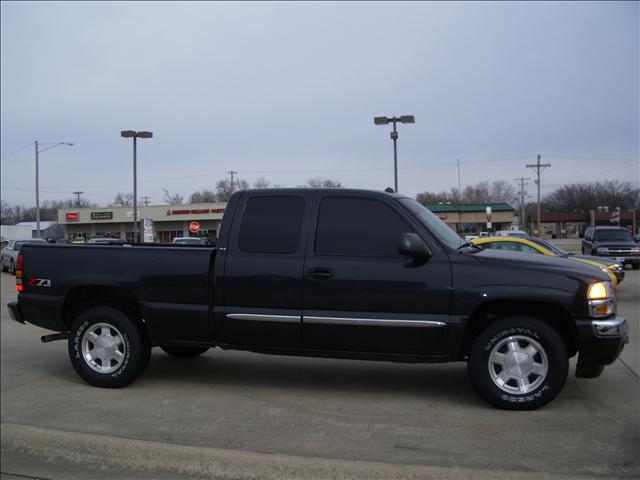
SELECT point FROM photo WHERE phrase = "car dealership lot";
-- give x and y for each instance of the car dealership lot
(243, 415)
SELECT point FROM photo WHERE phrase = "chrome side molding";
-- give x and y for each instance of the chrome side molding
(374, 322)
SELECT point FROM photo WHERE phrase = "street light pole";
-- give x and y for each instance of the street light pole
(37, 194)
(394, 137)
(135, 135)
(38, 152)
(135, 189)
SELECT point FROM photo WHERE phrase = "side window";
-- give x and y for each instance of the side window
(358, 227)
(271, 224)
(508, 246)
(528, 249)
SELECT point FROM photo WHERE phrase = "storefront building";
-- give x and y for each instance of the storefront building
(166, 221)
(472, 218)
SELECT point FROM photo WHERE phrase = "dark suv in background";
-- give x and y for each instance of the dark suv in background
(613, 242)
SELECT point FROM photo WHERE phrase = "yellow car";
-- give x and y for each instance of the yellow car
(542, 247)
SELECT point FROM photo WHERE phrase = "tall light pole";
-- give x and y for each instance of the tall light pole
(38, 152)
(135, 135)
(394, 137)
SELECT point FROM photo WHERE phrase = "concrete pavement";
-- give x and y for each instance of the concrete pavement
(244, 415)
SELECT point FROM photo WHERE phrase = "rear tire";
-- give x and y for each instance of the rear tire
(12, 269)
(518, 363)
(184, 352)
(4, 269)
(636, 266)
(107, 348)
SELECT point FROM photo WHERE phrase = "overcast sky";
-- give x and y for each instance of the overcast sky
(288, 91)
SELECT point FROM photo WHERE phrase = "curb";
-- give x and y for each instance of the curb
(101, 452)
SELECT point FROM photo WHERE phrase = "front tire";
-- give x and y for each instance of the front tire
(518, 363)
(107, 348)
(12, 269)
(184, 352)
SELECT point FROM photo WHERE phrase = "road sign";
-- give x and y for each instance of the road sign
(194, 227)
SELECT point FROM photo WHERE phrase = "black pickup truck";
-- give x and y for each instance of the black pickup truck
(328, 273)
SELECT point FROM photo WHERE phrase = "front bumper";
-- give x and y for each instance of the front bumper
(15, 312)
(600, 343)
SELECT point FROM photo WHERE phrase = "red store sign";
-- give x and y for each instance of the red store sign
(73, 217)
(197, 211)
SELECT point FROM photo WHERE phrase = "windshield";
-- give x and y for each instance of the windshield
(437, 227)
(18, 245)
(550, 246)
(612, 236)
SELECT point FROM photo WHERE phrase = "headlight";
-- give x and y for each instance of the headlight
(602, 302)
(600, 291)
(615, 267)
(603, 250)
(635, 250)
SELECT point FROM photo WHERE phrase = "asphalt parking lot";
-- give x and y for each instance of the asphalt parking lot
(244, 415)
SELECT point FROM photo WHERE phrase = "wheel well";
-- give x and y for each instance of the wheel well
(551, 314)
(82, 298)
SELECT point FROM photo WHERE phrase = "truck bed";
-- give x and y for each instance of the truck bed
(168, 284)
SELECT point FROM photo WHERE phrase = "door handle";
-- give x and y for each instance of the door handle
(320, 273)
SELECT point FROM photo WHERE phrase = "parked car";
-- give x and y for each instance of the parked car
(78, 240)
(541, 247)
(310, 272)
(614, 242)
(188, 241)
(512, 233)
(10, 252)
(468, 238)
(105, 241)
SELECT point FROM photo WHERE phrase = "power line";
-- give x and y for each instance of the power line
(16, 151)
(589, 157)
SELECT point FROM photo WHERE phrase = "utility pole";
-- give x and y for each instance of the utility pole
(146, 199)
(232, 173)
(538, 168)
(522, 181)
(78, 198)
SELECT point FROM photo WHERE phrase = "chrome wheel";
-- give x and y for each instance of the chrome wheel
(518, 364)
(103, 348)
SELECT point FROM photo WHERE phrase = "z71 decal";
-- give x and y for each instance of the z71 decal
(39, 282)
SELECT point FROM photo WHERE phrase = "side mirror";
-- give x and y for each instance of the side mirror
(411, 245)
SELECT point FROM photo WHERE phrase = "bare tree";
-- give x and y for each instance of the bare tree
(262, 183)
(224, 190)
(582, 197)
(481, 192)
(319, 182)
(6, 214)
(203, 196)
(48, 210)
(502, 191)
(122, 200)
(172, 199)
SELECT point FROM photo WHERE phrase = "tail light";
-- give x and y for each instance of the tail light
(19, 263)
